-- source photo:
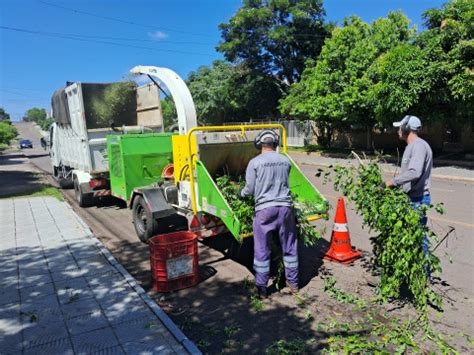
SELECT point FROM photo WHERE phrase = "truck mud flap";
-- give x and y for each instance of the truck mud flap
(156, 202)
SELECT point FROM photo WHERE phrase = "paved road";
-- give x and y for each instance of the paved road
(112, 224)
(38, 155)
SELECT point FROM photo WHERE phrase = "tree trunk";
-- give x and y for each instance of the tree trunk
(369, 138)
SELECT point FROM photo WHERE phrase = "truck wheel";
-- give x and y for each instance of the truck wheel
(84, 200)
(145, 225)
(65, 184)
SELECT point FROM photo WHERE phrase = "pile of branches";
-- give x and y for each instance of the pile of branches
(117, 99)
(397, 247)
(244, 210)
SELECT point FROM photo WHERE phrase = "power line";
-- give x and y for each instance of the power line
(72, 37)
(109, 18)
(23, 89)
(141, 40)
(14, 93)
(128, 39)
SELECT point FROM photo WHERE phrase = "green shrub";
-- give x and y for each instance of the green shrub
(7, 132)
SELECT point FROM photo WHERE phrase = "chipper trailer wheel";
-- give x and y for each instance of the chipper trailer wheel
(145, 225)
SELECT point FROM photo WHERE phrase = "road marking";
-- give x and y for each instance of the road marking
(440, 219)
(439, 189)
(447, 220)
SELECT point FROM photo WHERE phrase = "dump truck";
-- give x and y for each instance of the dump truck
(167, 179)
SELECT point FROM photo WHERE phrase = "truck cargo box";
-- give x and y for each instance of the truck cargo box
(79, 133)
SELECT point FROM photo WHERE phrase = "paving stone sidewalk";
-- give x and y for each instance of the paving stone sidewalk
(61, 293)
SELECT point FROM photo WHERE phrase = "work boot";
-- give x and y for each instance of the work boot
(293, 289)
(262, 292)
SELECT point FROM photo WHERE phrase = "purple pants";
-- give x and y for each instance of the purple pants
(280, 220)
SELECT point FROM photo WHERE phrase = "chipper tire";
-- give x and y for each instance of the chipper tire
(84, 200)
(145, 225)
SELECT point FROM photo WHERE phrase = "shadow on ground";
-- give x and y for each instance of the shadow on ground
(57, 298)
(18, 183)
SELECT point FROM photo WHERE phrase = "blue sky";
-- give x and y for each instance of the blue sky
(179, 34)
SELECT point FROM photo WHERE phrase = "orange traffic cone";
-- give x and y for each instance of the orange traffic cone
(340, 249)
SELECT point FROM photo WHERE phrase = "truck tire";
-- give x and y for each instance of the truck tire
(145, 225)
(64, 184)
(84, 200)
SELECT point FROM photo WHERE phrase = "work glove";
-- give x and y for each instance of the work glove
(239, 195)
(383, 185)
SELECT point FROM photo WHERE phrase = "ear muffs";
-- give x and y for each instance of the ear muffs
(266, 133)
(405, 130)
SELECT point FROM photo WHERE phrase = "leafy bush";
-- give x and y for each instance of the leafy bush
(397, 246)
(7, 132)
(45, 123)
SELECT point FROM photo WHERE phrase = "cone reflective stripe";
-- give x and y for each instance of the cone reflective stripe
(340, 227)
(340, 249)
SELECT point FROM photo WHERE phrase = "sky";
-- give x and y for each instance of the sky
(44, 43)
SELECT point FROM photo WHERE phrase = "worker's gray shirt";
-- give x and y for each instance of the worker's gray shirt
(266, 179)
(415, 175)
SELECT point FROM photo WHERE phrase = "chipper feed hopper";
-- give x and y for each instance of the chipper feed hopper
(205, 153)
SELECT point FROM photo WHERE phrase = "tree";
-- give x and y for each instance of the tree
(226, 93)
(275, 36)
(35, 114)
(448, 45)
(401, 81)
(4, 115)
(7, 132)
(335, 90)
(39, 116)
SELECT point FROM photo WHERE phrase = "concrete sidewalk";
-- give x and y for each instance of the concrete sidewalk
(62, 292)
(441, 172)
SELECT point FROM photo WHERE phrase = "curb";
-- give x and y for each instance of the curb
(162, 316)
(434, 176)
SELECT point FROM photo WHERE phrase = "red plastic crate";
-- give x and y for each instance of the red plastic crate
(174, 261)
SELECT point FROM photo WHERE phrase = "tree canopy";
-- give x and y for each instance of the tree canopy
(35, 114)
(335, 91)
(225, 92)
(3, 114)
(39, 116)
(275, 36)
(448, 44)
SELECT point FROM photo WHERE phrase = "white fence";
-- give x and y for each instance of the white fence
(296, 131)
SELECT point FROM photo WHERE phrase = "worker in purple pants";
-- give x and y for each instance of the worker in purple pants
(266, 179)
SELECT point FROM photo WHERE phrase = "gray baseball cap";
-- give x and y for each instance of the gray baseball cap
(411, 122)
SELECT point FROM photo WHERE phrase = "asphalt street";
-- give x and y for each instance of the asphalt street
(112, 223)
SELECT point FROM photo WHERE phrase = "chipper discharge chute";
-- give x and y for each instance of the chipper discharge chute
(204, 154)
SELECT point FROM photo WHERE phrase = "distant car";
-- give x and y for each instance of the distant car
(25, 143)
